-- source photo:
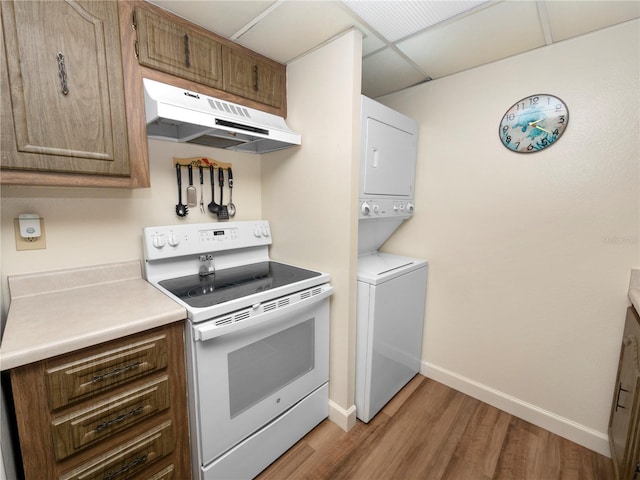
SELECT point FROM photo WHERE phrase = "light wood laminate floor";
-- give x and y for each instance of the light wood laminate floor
(432, 432)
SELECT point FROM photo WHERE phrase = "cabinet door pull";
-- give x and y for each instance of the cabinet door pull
(187, 53)
(125, 468)
(620, 389)
(255, 78)
(116, 372)
(62, 72)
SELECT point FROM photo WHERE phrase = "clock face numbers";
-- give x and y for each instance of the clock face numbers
(533, 123)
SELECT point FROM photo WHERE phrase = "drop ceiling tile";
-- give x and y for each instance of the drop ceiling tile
(295, 27)
(386, 71)
(397, 19)
(570, 18)
(224, 17)
(481, 37)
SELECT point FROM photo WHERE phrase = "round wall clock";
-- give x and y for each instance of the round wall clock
(534, 123)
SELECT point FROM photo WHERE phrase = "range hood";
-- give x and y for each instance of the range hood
(180, 115)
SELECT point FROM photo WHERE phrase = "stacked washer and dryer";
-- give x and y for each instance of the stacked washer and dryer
(391, 288)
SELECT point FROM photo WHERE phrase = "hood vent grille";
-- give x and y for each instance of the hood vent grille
(225, 107)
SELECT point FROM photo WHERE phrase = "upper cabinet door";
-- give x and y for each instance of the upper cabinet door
(65, 109)
(250, 77)
(176, 49)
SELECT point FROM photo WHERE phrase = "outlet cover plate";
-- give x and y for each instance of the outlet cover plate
(39, 243)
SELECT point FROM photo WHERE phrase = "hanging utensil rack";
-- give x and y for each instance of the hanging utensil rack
(210, 164)
(200, 161)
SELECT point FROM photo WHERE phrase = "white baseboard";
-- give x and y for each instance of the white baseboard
(580, 434)
(345, 419)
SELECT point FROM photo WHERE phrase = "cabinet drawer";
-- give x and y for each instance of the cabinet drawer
(130, 459)
(165, 474)
(68, 382)
(80, 429)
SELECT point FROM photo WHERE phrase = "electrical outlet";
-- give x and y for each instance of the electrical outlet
(37, 243)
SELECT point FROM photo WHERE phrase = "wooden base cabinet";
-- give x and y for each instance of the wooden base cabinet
(624, 422)
(116, 410)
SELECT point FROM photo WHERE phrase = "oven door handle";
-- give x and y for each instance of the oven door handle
(210, 330)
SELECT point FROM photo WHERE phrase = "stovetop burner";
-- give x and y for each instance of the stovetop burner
(234, 283)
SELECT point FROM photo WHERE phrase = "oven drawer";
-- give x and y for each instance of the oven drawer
(71, 381)
(129, 459)
(82, 428)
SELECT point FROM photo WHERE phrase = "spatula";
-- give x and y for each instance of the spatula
(213, 206)
(223, 213)
(192, 193)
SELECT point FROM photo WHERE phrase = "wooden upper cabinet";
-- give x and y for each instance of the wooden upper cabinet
(176, 49)
(167, 44)
(64, 107)
(251, 77)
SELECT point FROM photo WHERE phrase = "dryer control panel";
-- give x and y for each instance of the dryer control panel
(384, 207)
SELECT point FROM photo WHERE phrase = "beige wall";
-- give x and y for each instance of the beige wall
(530, 255)
(310, 198)
(95, 226)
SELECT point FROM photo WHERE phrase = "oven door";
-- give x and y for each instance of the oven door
(243, 379)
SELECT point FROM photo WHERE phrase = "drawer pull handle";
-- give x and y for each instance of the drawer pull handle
(62, 72)
(119, 418)
(133, 463)
(116, 372)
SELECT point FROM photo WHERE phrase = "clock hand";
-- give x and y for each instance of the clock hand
(533, 124)
(540, 128)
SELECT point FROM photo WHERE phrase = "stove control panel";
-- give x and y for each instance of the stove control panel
(194, 239)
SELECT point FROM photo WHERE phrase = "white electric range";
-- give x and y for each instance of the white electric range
(257, 342)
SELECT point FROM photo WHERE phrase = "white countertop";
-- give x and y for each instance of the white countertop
(53, 313)
(634, 288)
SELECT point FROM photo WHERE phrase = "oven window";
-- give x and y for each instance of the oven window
(264, 367)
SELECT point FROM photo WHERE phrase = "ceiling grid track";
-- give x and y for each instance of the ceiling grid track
(544, 21)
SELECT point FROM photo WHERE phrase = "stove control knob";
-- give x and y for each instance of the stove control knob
(410, 207)
(265, 231)
(159, 242)
(376, 208)
(256, 231)
(173, 241)
(365, 208)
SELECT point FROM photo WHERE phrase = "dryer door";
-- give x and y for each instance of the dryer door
(390, 162)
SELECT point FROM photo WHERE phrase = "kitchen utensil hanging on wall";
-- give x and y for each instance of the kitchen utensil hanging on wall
(213, 206)
(222, 213)
(201, 172)
(230, 206)
(181, 209)
(192, 194)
